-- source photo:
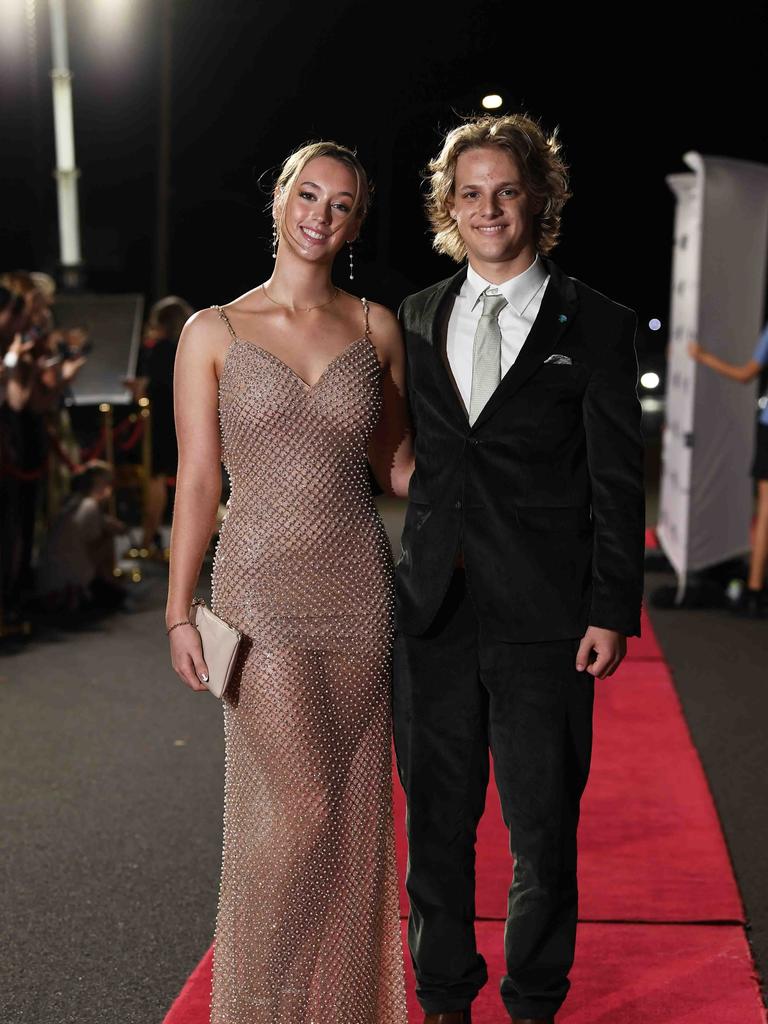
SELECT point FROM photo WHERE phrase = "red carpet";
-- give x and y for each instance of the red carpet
(639, 974)
(648, 974)
(652, 856)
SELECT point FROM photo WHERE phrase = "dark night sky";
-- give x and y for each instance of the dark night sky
(631, 89)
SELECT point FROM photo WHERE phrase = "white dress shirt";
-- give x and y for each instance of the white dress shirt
(523, 294)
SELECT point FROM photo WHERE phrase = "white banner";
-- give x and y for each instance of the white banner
(718, 283)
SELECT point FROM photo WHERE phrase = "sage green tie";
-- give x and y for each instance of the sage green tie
(486, 354)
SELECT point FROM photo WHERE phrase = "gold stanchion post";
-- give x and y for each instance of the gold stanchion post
(146, 460)
(109, 447)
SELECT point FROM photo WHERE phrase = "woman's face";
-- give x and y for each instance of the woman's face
(318, 217)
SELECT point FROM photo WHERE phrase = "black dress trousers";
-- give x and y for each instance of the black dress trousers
(458, 693)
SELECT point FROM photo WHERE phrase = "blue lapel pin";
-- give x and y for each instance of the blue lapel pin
(562, 318)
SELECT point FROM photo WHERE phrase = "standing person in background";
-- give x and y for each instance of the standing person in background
(38, 364)
(11, 310)
(155, 382)
(522, 567)
(752, 602)
(25, 392)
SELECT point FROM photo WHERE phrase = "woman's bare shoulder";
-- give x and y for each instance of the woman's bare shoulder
(381, 314)
(384, 330)
(204, 335)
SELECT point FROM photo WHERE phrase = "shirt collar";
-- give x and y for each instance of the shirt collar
(518, 290)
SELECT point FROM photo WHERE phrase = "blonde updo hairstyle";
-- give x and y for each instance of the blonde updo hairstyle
(294, 165)
(543, 171)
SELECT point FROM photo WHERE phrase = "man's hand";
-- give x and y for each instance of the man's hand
(609, 647)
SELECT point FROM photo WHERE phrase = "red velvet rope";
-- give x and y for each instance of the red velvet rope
(135, 437)
(7, 468)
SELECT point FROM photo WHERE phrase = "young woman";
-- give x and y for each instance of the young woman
(753, 603)
(155, 381)
(296, 385)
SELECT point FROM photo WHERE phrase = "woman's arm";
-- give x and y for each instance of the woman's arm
(744, 373)
(390, 452)
(198, 481)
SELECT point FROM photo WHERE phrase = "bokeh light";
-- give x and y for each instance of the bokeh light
(16, 20)
(110, 17)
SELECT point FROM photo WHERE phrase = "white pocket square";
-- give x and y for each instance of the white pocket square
(558, 357)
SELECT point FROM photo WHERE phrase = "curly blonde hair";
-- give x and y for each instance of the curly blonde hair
(298, 160)
(544, 174)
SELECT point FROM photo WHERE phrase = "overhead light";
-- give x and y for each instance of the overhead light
(492, 102)
(655, 325)
(650, 380)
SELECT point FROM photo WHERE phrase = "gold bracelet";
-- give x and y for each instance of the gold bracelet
(184, 622)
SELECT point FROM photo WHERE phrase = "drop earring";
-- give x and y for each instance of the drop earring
(351, 262)
(274, 240)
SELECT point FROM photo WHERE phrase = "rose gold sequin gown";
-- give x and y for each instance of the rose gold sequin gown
(308, 924)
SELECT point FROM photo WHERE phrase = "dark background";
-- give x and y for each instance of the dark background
(630, 88)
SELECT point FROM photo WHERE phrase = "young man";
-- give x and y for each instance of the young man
(522, 564)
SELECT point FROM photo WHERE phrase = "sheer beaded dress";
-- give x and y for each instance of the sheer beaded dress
(307, 927)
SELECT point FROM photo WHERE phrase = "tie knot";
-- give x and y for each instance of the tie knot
(493, 304)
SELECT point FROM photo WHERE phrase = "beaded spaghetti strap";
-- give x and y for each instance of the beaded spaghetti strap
(225, 318)
(365, 314)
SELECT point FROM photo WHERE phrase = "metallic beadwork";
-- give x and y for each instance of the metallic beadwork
(308, 926)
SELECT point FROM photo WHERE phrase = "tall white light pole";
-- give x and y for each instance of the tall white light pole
(66, 172)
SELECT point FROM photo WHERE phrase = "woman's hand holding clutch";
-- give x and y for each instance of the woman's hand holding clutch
(187, 655)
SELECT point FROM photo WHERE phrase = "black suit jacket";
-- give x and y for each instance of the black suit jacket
(544, 492)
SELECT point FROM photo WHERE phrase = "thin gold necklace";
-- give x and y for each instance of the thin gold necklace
(302, 309)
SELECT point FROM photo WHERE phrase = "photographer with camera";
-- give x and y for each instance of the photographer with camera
(39, 363)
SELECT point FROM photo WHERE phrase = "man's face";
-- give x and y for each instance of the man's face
(490, 205)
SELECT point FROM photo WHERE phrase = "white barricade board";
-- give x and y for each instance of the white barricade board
(113, 323)
(718, 283)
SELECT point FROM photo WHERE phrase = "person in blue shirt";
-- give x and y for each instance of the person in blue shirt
(753, 602)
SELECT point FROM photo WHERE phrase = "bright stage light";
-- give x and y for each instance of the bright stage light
(110, 19)
(655, 325)
(13, 37)
(650, 380)
(492, 102)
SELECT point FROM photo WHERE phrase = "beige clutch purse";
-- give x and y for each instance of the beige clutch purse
(220, 643)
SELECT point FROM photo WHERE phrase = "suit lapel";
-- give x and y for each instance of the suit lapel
(558, 308)
(435, 317)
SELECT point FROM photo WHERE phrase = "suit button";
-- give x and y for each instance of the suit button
(473, 441)
(458, 504)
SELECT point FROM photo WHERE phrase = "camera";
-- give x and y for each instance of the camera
(67, 351)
